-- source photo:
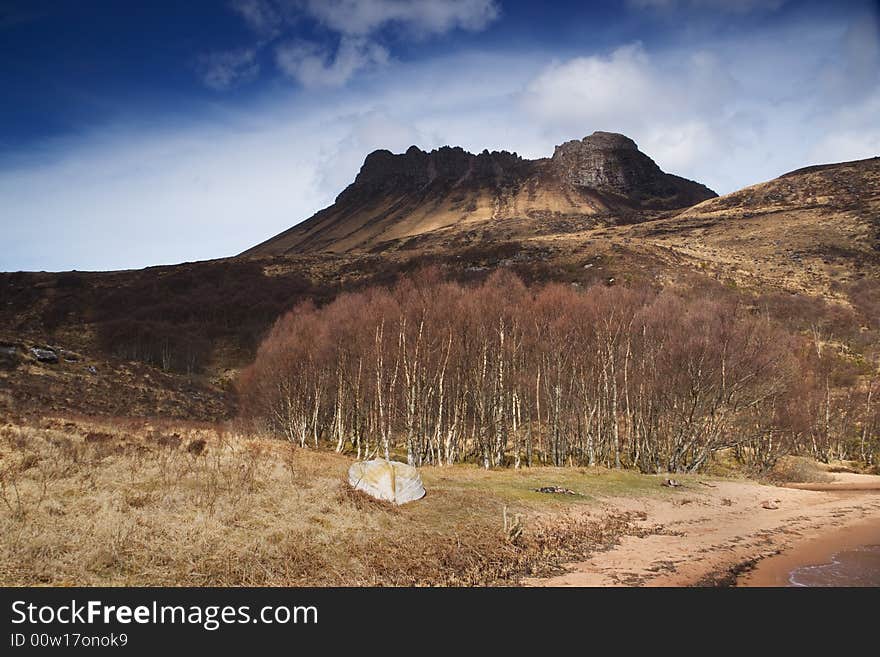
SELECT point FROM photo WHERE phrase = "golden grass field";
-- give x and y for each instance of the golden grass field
(130, 502)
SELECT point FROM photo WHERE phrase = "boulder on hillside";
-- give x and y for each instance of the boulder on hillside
(391, 481)
(44, 355)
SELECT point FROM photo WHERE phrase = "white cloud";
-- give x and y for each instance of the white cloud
(629, 86)
(262, 16)
(673, 108)
(358, 21)
(313, 66)
(225, 70)
(363, 17)
(356, 24)
(592, 89)
(853, 132)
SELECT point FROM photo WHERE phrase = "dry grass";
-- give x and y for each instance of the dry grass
(139, 503)
(799, 470)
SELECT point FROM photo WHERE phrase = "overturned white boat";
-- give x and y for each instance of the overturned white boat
(391, 481)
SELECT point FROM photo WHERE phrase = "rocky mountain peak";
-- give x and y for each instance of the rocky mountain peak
(609, 141)
(611, 162)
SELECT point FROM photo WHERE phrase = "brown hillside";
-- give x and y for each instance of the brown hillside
(814, 230)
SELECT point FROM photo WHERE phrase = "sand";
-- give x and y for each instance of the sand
(719, 535)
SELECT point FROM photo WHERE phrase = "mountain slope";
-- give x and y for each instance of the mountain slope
(812, 230)
(396, 197)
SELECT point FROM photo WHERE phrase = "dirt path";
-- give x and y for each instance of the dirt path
(708, 535)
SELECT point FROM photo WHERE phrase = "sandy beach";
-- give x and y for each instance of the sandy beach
(725, 533)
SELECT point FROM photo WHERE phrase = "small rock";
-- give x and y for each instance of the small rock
(555, 489)
(44, 355)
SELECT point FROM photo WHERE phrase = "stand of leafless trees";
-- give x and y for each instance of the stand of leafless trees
(503, 375)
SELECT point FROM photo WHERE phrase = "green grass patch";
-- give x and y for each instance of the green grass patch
(520, 486)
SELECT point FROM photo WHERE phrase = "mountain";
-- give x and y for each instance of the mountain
(602, 178)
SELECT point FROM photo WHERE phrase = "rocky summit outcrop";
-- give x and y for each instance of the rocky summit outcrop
(426, 195)
(414, 170)
(611, 162)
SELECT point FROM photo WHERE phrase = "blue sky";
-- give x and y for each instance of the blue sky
(134, 134)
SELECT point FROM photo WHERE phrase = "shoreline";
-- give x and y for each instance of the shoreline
(775, 570)
(734, 533)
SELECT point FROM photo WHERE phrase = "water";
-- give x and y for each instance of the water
(853, 567)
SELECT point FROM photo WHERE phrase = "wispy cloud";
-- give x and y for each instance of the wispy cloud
(225, 70)
(262, 16)
(354, 26)
(420, 17)
(314, 66)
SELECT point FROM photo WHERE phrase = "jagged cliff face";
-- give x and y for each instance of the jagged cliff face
(418, 194)
(416, 171)
(613, 163)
